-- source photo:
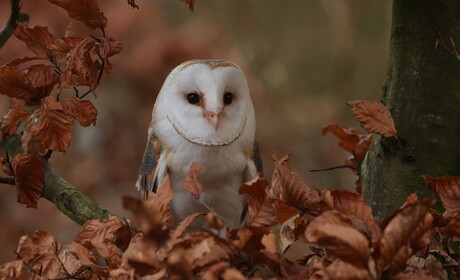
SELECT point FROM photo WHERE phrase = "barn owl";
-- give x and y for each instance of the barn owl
(203, 114)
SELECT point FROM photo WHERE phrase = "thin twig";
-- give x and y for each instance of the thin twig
(333, 168)
(9, 27)
(7, 180)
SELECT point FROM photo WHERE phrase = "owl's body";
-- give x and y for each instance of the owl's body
(203, 114)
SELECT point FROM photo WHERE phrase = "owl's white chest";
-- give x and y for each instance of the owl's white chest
(222, 173)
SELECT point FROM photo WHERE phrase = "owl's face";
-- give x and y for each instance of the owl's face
(207, 102)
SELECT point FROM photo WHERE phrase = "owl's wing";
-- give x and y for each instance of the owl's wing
(150, 165)
(254, 168)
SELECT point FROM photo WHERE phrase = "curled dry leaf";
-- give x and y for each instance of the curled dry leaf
(184, 225)
(342, 241)
(192, 182)
(340, 270)
(398, 231)
(41, 75)
(49, 126)
(39, 251)
(348, 202)
(83, 110)
(86, 11)
(374, 117)
(11, 270)
(38, 39)
(261, 212)
(14, 84)
(75, 257)
(284, 211)
(14, 117)
(351, 140)
(453, 227)
(30, 179)
(399, 261)
(448, 189)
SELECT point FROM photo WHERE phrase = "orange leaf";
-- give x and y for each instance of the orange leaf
(14, 117)
(37, 39)
(213, 221)
(190, 3)
(83, 110)
(14, 83)
(30, 179)
(261, 212)
(86, 11)
(448, 189)
(50, 126)
(339, 239)
(348, 202)
(41, 75)
(192, 182)
(374, 117)
(39, 253)
(11, 270)
(75, 257)
(398, 231)
(284, 211)
(453, 227)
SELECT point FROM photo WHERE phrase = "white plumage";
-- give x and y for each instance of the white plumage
(203, 114)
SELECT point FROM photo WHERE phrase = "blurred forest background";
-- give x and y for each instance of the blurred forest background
(303, 59)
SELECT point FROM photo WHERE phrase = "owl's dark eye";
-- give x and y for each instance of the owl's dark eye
(193, 98)
(228, 98)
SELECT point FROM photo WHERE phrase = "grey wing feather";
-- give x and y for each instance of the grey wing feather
(147, 180)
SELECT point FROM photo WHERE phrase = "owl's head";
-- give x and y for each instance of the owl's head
(207, 102)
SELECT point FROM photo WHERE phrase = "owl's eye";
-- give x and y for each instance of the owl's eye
(228, 98)
(193, 98)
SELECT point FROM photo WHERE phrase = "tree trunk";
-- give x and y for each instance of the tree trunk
(422, 92)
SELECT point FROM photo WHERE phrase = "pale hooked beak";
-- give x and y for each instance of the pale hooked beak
(213, 119)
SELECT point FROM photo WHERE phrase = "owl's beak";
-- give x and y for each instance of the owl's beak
(213, 119)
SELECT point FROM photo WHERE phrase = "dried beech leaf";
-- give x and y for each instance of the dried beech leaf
(39, 251)
(284, 211)
(448, 189)
(83, 110)
(287, 234)
(351, 140)
(192, 182)
(141, 256)
(340, 270)
(212, 220)
(183, 226)
(261, 212)
(41, 75)
(374, 117)
(398, 231)
(86, 11)
(232, 274)
(30, 179)
(49, 125)
(38, 39)
(75, 256)
(11, 270)
(398, 263)
(14, 84)
(453, 227)
(418, 274)
(14, 117)
(190, 3)
(344, 242)
(348, 202)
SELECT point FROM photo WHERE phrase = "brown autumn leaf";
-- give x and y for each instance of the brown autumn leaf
(290, 189)
(399, 261)
(448, 189)
(11, 270)
(141, 255)
(287, 234)
(83, 110)
(153, 215)
(212, 220)
(351, 140)
(86, 11)
(418, 274)
(190, 3)
(30, 179)
(192, 182)
(421, 236)
(41, 75)
(103, 235)
(38, 39)
(183, 226)
(340, 270)
(284, 211)
(261, 212)
(14, 117)
(348, 202)
(49, 125)
(453, 227)
(62, 46)
(14, 84)
(39, 251)
(342, 241)
(75, 256)
(398, 231)
(109, 47)
(374, 117)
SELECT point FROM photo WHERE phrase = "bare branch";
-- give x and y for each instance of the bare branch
(9, 27)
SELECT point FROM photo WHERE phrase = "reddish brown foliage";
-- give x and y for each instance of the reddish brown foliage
(30, 179)
(374, 117)
(192, 183)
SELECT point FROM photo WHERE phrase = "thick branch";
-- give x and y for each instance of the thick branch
(9, 27)
(73, 203)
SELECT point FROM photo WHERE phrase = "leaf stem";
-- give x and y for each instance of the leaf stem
(333, 168)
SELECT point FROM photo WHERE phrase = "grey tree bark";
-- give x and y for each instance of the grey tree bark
(422, 92)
